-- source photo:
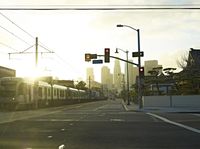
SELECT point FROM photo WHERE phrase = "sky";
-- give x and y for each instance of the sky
(165, 35)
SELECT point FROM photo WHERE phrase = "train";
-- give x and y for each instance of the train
(24, 93)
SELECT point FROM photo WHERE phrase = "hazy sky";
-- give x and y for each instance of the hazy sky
(166, 35)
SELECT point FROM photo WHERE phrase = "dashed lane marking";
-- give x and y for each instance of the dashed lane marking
(55, 120)
(117, 120)
(175, 123)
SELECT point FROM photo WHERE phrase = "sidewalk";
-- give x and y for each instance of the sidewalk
(135, 108)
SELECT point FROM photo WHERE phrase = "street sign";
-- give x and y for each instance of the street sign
(97, 61)
(137, 54)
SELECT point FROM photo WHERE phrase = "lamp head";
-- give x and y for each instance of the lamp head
(119, 25)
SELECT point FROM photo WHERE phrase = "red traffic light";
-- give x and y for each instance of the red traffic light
(107, 55)
(141, 71)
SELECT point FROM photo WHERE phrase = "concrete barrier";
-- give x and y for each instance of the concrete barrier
(156, 101)
(172, 101)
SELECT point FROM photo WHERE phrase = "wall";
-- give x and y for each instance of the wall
(172, 101)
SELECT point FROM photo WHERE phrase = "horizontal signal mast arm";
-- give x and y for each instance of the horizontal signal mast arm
(120, 59)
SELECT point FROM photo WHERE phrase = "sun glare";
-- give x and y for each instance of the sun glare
(30, 72)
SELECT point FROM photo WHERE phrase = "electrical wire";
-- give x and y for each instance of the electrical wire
(14, 35)
(15, 24)
(7, 46)
(104, 7)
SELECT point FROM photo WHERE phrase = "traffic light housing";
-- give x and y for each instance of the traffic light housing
(141, 72)
(106, 55)
(88, 57)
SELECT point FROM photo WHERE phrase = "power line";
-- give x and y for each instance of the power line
(16, 24)
(7, 46)
(14, 35)
(103, 7)
(24, 31)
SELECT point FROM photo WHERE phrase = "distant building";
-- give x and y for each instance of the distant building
(117, 75)
(133, 72)
(193, 61)
(89, 76)
(68, 83)
(149, 65)
(106, 77)
(7, 72)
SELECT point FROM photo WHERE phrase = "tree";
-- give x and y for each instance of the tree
(182, 62)
(81, 85)
(156, 72)
(169, 71)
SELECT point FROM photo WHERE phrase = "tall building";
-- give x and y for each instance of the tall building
(89, 76)
(135, 74)
(149, 65)
(106, 77)
(117, 79)
(131, 74)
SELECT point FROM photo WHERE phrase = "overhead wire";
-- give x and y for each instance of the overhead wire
(14, 35)
(90, 7)
(7, 46)
(15, 24)
(102, 7)
(41, 44)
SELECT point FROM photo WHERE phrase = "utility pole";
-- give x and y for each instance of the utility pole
(36, 52)
(89, 81)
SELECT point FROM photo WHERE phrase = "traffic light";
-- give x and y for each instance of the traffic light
(141, 72)
(106, 55)
(88, 57)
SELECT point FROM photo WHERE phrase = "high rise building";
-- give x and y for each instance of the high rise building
(89, 76)
(117, 80)
(131, 74)
(106, 77)
(135, 74)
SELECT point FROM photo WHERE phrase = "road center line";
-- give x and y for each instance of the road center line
(175, 123)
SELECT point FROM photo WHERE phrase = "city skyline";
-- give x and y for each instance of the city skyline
(166, 35)
(118, 75)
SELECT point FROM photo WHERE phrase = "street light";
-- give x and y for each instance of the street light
(128, 99)
(139, 63)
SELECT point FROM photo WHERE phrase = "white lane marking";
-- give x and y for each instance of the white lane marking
(102, 114)
(55, 120)
(100, 108)
(197, 115)
(175, 123)
(50, 137)
(61, 146)
(117, 120)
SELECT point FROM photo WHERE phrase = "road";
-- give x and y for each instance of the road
(98, 125)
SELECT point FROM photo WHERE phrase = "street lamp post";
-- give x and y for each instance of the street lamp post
(128, 99)
(139, 63)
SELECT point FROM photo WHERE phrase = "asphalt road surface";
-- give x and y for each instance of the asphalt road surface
(98, 125)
